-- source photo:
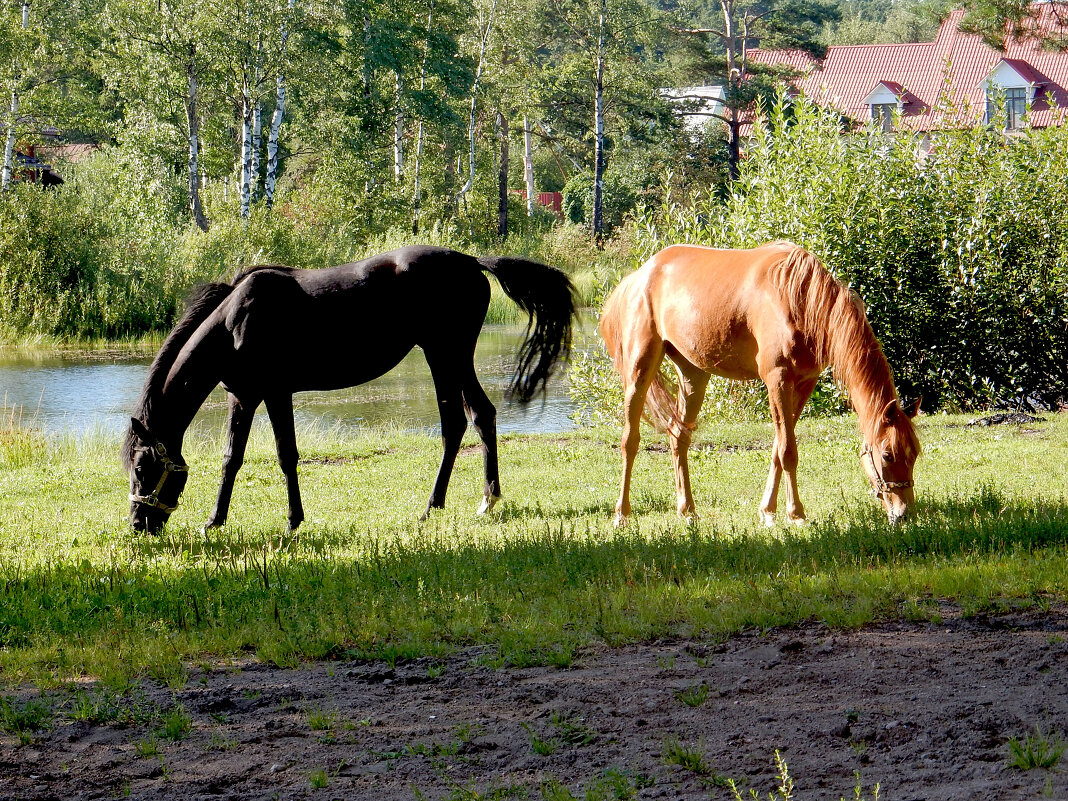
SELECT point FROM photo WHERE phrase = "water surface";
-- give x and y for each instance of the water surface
(96, 391)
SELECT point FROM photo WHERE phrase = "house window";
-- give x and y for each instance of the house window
(883, 114)
(1015, 106)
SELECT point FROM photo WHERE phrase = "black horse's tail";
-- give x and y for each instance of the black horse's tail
(548, 297)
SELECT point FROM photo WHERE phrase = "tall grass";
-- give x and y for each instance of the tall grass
(546, 577)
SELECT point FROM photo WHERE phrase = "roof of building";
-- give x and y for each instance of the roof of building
(943, 82)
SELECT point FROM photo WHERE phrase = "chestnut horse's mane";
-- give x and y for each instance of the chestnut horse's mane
(831, 318)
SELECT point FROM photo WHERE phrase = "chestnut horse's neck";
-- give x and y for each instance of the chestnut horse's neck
(832, 319)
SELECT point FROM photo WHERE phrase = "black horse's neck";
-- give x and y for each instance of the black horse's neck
(178, 380)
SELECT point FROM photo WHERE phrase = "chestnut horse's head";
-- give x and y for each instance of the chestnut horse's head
(156, 479)
(889, 455)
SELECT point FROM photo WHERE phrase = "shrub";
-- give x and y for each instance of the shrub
(958, 254)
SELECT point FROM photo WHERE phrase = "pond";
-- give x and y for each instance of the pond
(96, 391)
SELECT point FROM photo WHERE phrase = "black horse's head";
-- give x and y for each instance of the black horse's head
(156, 478)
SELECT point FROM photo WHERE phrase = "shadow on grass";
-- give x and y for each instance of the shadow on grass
(536, 591)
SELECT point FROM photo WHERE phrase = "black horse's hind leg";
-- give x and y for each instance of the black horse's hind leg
(453, 421)
(238, 425)
(484, 419)
(280, 410)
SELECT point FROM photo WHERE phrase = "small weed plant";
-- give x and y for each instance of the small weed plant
(1040, 749)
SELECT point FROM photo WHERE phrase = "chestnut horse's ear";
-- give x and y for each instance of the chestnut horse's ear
(890, 411)
(140, 430)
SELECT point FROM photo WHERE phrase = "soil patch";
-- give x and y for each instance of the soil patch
(924, 709)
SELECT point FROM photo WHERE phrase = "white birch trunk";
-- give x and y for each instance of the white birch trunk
(598, 124)
(528, 165)
(9, 142)
(474, 99)
(276, 123)
(193, 121)
(257, 140)
(398, 132)
(246, 152)
(417, 196)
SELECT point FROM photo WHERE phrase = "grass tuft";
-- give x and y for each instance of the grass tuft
(1039, 749)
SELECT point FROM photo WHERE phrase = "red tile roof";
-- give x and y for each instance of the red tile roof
(943, 79)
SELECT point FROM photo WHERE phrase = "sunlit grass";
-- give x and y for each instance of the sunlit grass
(541, 580)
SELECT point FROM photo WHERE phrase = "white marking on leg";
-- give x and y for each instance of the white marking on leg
(488, 502)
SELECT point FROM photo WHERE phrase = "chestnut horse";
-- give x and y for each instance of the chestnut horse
(279, 330)
(773, 313)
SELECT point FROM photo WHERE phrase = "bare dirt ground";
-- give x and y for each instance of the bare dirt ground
(926, 710)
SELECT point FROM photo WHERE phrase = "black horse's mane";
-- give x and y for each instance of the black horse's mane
(202, 301)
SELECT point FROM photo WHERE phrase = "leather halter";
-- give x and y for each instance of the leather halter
(169, 466)
(881, 486)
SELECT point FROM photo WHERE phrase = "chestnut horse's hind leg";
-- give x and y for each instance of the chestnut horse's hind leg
(238, 425)
(484, 419)
(786, 399)
(280, 410)
(692, 385)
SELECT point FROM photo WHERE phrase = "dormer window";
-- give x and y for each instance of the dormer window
(886, 101)
(883, 115)
(1011, 103)
(1009, 88)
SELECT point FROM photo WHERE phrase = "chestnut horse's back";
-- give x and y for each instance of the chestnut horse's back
(773, 313)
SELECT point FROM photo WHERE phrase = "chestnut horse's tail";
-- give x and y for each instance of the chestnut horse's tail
(548, 297)
(661, 405)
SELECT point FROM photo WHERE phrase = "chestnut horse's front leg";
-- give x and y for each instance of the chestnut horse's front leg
(280, 410)
(238, 425)
(786, 399)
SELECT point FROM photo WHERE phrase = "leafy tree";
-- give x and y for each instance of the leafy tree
(731, 26)
(604, 72)
(1001, 21)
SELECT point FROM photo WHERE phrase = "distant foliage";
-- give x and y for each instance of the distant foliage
(961, 256)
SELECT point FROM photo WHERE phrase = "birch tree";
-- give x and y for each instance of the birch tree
(161, 53)
(278, 115)
(598, 51)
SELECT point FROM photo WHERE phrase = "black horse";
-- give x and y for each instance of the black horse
(279, 330)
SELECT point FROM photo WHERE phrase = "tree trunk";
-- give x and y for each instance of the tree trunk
(417, 195)
(9, 142)
(246, 152)
(598, 125)
(474, 97)
(398, 132)
(257, 141)
(193, 121)
(502, 179)
(276, 123)
(528, 166)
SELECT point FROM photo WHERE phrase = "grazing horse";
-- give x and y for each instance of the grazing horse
(279, 330)
(773, 313)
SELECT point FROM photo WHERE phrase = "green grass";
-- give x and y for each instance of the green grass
(81, 595)
(1040, 749)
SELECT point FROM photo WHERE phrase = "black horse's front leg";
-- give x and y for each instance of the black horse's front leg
(280, 410)
(239, 424)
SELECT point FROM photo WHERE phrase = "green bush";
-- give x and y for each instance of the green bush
(960, 255)
(90, 258)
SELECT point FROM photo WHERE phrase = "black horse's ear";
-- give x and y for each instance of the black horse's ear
(140, 430)
(915, 410)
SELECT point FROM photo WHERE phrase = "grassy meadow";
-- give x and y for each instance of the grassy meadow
(538, 581)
